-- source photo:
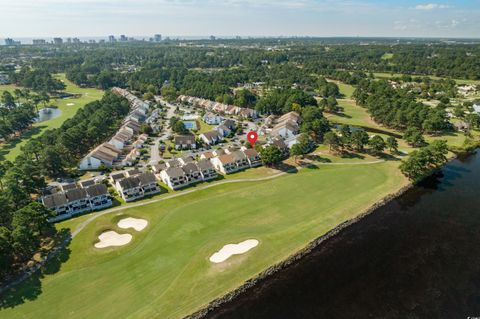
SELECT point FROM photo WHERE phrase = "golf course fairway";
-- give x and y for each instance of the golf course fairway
(165, 272)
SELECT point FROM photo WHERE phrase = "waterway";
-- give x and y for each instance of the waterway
(416, 257)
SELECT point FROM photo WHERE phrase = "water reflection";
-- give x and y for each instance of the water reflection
(417, 257)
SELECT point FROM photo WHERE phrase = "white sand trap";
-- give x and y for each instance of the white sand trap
(233, 249)
(70, 104)
(135, 223)
(112, 238)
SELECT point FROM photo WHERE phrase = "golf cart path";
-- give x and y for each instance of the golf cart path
(85, 223)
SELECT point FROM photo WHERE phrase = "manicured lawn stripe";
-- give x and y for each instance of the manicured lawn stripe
(165, 273)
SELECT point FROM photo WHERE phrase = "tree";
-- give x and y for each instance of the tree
(473, 119)
(359, 139)
(245, 98)
(332, 140)
(414, 137)
(377, 144)
(30, 224)
(392, 144)
(458, 112)
(8, 100)
(6, 250)
(178, 126)
(332, 104)
(169, 93)
(271, 155)
(346, 136)
(314, 123)
(422, 162)
(296, 150)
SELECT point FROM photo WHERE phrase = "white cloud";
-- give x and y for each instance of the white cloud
(431, 6)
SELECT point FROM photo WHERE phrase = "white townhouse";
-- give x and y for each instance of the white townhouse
(192, 173)
(174, 177)
(129, 188)
(207, 170)
(99, 196)
(211, 137)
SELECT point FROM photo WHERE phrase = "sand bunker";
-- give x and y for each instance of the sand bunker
(70, 104)
(112, 238)
(233, 249)
(135, 223)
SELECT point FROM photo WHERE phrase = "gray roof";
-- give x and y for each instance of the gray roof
(87, 183)
(230, 124)
(210, 135)
(190, 168)
(204, 164)
(251, 153)
(279, 143)
(174, 172)
(159, 167)
(129, 182)
(76, 194)
(117, 176)
(146, 178)
(188, 159)
(97, 190)
(184, 139)
(134, 172)
(220, 151)
(173, 163)
(68, 186)
(238, 155)
(55, 200)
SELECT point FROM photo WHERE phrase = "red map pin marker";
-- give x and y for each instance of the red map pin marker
(252, 138)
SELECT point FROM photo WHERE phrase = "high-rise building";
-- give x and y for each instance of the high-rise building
(212, 38)
(57, 41)
(76, 40)
(9, 41)
(123, 38)
(157, 37)
(39, 41)
(111, 39)
(69, 40)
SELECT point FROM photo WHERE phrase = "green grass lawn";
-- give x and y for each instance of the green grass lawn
(165, 273)
(387, 56)
(358, 116)
(204, 127)
(383, 75)
(355, 115)
(345, 89)
(11, 150)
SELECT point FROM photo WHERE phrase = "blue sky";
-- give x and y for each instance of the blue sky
(47, 18)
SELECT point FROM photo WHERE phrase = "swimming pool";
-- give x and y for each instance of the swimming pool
(190, 125)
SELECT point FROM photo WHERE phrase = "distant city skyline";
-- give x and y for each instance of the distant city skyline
(201, 18)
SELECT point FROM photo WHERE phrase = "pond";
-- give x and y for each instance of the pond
(48, 113)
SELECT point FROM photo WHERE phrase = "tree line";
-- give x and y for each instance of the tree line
(398, 108)
(24, 229)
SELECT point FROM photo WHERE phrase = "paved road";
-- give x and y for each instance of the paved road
(155, 152)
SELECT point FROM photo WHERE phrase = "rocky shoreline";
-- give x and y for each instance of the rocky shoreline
(272, 270)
